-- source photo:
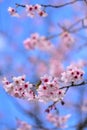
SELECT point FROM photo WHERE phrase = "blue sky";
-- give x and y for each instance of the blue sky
(13, 54)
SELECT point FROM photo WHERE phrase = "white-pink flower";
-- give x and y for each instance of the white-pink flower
(35, 36)
(42, 13)
(49, 89)
(13, 12)
(29, 44)
(36, 41)
(32, 10)
(44, 44)
(37, 7)
(67, 38)
(19, 88)
(46, 79)
(72, 74)
(57, 120)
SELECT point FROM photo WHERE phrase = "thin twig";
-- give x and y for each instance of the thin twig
(69, 29)
(74, 85)
(52, 6)
(62, 5)
(20, 5)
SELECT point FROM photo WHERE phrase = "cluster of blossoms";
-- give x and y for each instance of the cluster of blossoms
(23, 125)
(72, 74)
(31, 10)
(48, 90)
(19, 88)
(58, 121)
(36, 41)
(35, 9)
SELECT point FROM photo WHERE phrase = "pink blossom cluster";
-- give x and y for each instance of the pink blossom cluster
(58, 121)
(19, 88)
(49, 89)
(72, 74)
(32, 10)
(23, 125)
(36, 41)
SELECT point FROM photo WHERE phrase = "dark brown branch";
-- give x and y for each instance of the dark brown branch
(70, 28)
(82, 125)
(62, 102)
(52, 6)
(74, 85)
(20, 5)
(85, 1)
(62, 5)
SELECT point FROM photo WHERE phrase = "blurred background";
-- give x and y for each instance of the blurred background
(15, 60)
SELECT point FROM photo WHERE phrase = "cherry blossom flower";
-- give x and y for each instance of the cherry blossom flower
(32, 10)
(67, 38)
(72, 74)
(23, 125)
(35, 36)
(29, 44)
(37, 7)
(36, 41)
(46, 79)
(19, 88)
(49, 89)
(13, 12)
(58, 121)
(7, 85)
(42, 13)
(67, 42)
(44, 44)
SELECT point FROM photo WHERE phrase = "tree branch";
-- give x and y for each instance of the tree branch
(74, 85)
(53, 6)
(20, 5)
(70, 28)
(62, 5)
